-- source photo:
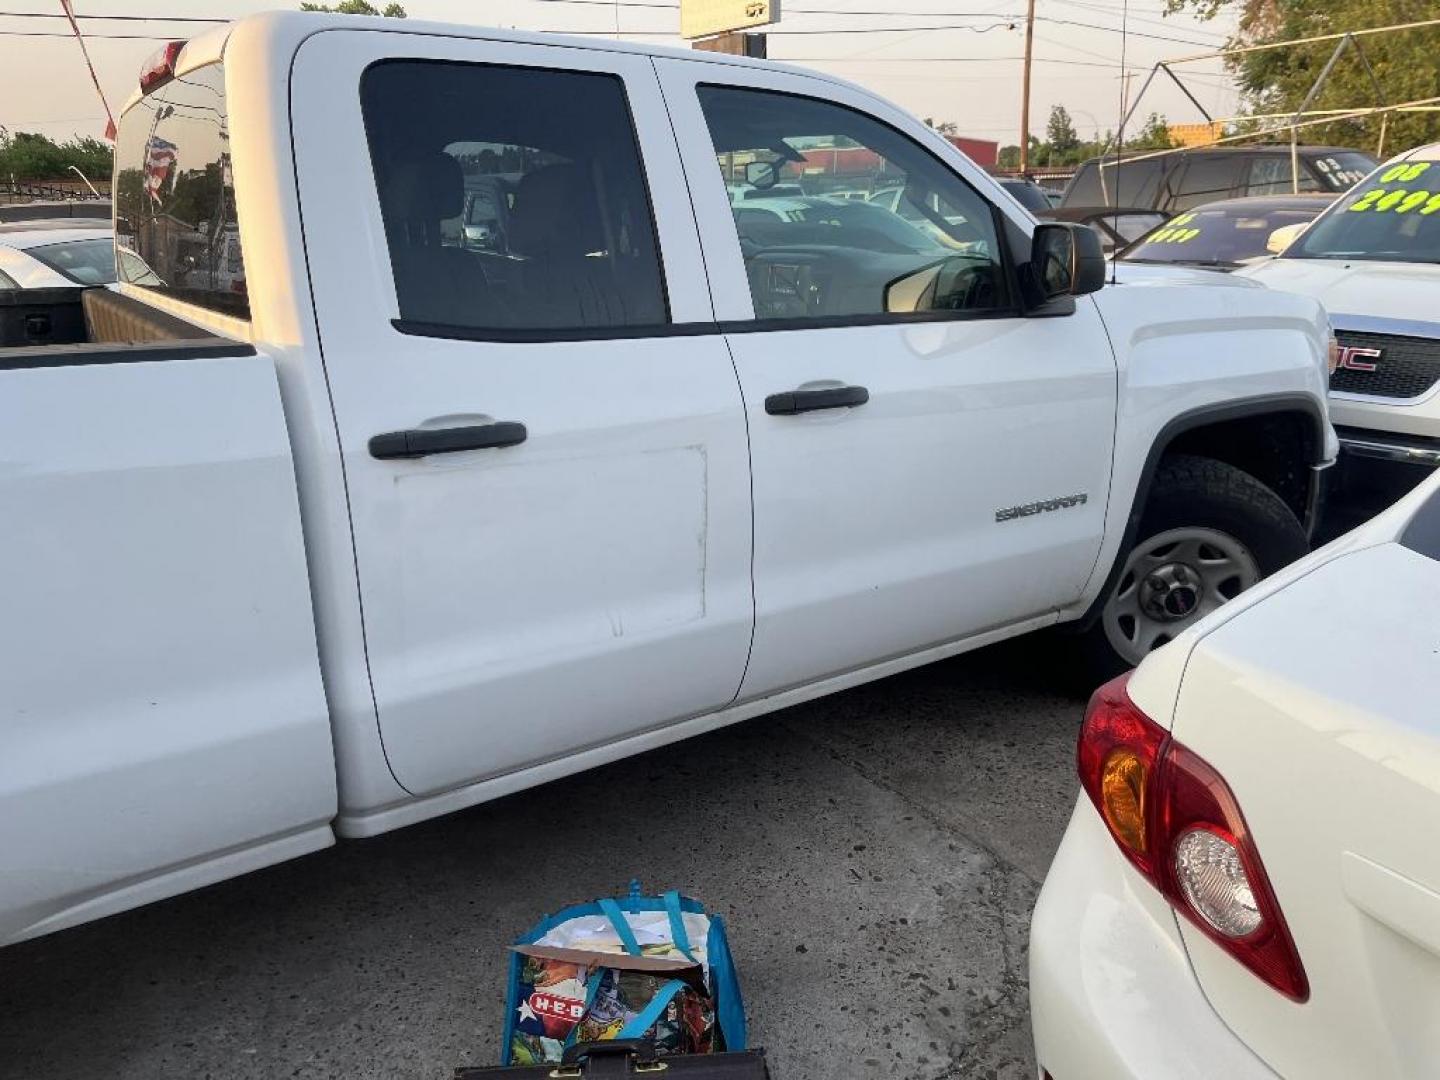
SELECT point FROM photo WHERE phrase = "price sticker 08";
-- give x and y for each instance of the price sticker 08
(1400, 200)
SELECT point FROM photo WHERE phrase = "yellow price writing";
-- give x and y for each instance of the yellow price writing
(1404, 173)
(1398, 200)
(1175, 231)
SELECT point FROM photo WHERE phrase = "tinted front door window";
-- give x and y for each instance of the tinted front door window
(920, 240)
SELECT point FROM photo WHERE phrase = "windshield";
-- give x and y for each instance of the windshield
(1392, 216)
(86, 262)
(849, 216)
(1219, 236)
(1343, 169)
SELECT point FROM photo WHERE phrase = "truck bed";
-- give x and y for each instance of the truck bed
(161, 707)
(40, 327)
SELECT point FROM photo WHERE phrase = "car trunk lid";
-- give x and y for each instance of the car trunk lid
(1319, 708)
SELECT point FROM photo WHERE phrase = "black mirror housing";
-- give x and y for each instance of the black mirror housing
(1066, 260)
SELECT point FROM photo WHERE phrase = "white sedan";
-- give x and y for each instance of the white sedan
(1250, 883)
(61, 253)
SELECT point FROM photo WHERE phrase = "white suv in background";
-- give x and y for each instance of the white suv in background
(1373, 259)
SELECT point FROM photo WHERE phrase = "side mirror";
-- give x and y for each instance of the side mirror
(1284, 236)
(761, 174)
(1067, 260)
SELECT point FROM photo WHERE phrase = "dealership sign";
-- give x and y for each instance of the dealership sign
(702, 18)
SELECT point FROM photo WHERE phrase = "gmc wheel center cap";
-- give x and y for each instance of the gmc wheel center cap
(1171, 592)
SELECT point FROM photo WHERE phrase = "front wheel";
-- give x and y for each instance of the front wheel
(1209, 531)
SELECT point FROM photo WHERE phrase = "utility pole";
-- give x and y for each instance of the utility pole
(1025, 90)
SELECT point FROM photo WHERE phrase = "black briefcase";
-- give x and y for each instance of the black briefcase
(622, 1059)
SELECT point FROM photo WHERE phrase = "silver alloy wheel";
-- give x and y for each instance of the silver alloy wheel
(1169, 581)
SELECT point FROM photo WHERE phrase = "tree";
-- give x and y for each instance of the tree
(29, 156)
(1009, 156)
(357, 7)
(1154, 134)
(1406, 63)
(1060, 132)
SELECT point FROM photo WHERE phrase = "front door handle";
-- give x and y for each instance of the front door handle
(833, 397)
(418, 442)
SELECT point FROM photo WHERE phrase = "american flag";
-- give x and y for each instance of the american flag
(160, 157)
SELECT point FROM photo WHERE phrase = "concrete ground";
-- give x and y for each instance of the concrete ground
(876, 855)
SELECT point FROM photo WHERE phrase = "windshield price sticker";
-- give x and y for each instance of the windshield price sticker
(1175, 231)
(1400, 200)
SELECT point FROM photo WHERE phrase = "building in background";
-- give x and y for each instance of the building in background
(981, 151)
(1196, 134)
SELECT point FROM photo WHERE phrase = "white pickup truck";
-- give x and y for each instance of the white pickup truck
(512, 444)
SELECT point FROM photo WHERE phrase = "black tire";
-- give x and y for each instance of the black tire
(1200, 494)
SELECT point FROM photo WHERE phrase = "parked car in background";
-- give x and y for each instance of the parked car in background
(941, 224)
(392, 524)
(1180, 179)
(1027, 193)
(1373, 259)
(1118, 226)
(1224, 235)
(54, 254)
(1249, 886)
(841, 222)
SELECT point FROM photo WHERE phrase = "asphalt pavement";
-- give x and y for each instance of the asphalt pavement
(876, 855)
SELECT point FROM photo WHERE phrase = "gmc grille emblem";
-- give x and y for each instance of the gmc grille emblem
(1353, 358)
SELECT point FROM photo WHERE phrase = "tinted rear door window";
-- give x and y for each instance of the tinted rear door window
(513, 198)
(1206, 178)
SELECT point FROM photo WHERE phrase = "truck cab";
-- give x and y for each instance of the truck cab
(347, 516)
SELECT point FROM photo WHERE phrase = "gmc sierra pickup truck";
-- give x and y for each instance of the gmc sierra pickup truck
(456, 426)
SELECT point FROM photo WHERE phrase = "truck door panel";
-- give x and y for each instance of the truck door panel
(961, 483)
(581, 574)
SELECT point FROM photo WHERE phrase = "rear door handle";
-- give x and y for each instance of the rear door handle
(797, 401)
(418, 442)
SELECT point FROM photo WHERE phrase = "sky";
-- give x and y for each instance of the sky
(955, 60)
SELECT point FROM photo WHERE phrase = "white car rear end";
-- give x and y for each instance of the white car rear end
(1313, 700)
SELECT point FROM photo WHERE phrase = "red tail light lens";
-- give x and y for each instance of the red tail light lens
(160, 68)
(1174, 817)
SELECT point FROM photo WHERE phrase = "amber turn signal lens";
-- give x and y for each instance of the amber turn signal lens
(1122, 796)
(1332, 361)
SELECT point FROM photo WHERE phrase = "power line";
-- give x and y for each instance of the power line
(1106, 10)
(1006, 24)
(940, 60)
(1086, 52)
(788, 10)
(111, 18)
(651, 5)
(1120, 30)
(88, 37)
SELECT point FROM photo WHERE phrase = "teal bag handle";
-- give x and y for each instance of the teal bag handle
(622, 927)
(592, 987)
(677, 925)
(645, 1019)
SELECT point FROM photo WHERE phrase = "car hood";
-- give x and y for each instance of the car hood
(1134, 273)
(1379, 289)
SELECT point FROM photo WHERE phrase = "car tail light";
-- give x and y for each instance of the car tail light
(160, 68)
(1174, 817)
